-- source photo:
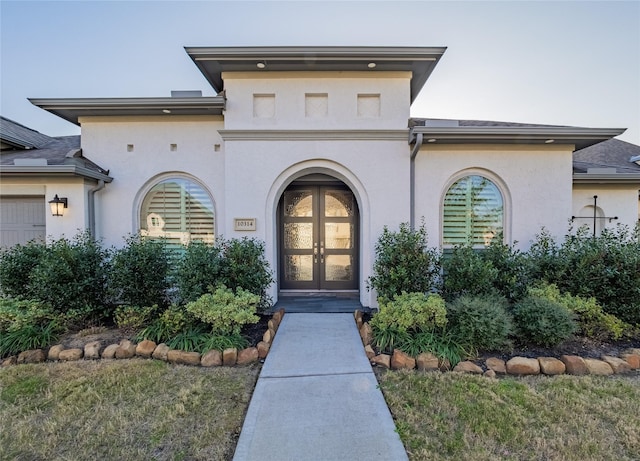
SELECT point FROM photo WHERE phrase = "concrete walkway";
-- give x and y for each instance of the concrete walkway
(317, 398)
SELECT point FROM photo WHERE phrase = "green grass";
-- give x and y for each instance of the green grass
(452, 416)
(143, 409)
(115, 410)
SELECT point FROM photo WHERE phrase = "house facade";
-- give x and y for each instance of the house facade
(313, 151)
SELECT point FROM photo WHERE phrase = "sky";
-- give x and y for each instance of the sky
(550, 62)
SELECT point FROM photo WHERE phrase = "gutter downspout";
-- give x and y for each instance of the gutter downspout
(412, 180)
(92, 206)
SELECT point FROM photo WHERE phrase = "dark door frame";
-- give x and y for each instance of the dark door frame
(318, 284)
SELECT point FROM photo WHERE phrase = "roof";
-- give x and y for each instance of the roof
(213, 61)
(448, 131)
(52, 156)
(612, 161)
(20, 136)
(71, 109)
(613, 153)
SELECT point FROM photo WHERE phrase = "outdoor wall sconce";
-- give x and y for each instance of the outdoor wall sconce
(58, 205)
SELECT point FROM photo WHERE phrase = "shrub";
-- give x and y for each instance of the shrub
(543, 322)
(133, 317)
(406, 314)
(592, 321)
(606, 268)
(67, 275)
(244, 266)
(16, 264)
(466, 272)
(512, 266)
(225, 311)
(15, 314)
(169, 324)
(199, 268)
(404, 263)
(481, 322)
(139, 273)
(26, 325)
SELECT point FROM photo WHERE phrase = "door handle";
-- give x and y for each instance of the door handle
(322, 252)
(315, 252)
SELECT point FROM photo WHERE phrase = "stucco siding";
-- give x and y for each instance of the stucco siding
(376, 171)
(619, 201)
(342, 89)
(139, 152)
(535, 183)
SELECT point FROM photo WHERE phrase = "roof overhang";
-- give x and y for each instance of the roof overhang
(16, 143)
(616, 178)
(74, 108)
(579, 137)
(213, 61)
(52, 170)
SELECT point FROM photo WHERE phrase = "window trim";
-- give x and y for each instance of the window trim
(167, 176)
(500, 185)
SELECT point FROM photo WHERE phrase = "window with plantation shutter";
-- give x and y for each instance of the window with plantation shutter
(472, 212)
(178, 211)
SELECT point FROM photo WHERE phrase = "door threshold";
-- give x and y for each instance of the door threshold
(345, 294)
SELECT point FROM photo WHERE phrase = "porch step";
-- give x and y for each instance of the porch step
(318, 304)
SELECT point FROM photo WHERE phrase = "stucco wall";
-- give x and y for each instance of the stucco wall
(377, 172)
(535, 181)
(290, 90)
(138, 152)
(613, 200)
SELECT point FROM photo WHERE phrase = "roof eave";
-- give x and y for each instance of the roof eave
(579, 137)
(616, 178)
(212, 61)
(56, 170)
(71, 109)
(16, 143)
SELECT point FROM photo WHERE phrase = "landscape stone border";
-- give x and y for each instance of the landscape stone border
(127, 349)
(607, 365)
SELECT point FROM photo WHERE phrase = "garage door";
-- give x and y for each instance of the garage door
(21, 219)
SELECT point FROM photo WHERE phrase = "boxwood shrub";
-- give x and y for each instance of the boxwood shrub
(482, 323)
(543, 322)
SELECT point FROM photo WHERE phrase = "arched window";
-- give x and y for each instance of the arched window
(473, 212)
(179, 211)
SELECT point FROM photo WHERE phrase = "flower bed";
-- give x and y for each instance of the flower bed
(627, 362)
(124, 349)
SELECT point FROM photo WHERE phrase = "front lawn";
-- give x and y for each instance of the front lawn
(452, 416)
(114, 410)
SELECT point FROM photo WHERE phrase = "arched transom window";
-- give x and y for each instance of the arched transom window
(179, 211)
(473, 212)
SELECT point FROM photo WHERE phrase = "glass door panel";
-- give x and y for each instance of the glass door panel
(298, 235)
(298, 268)
(338, 268)
(318, 239)
(338, 235)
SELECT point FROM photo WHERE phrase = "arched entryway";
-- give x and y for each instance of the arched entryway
(318, 236)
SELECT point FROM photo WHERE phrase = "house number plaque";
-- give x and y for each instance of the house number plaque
(244, 224)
